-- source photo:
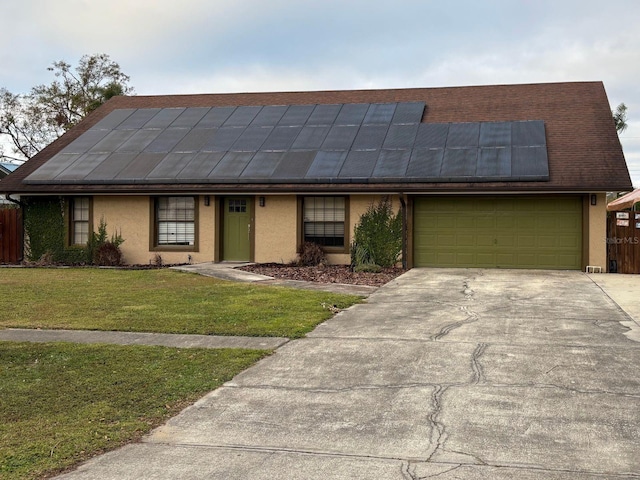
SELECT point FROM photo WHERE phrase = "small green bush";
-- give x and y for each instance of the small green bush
(377, 238)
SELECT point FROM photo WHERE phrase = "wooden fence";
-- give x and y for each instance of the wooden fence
(623, 242)
(11, 235)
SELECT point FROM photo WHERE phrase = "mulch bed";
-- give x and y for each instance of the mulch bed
(325, 274)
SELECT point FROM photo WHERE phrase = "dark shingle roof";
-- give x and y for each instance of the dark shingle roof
(582, 151)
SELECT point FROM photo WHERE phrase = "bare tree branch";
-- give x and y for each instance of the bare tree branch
(32, 121)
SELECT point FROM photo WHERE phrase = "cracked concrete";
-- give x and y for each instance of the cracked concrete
(447, 374)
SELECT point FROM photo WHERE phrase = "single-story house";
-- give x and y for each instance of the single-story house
(5, 169)
(506, 176)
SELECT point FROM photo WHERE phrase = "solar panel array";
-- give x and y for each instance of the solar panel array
(341, 143)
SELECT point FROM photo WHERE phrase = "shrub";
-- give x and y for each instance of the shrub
(101, 250)
(377, 238)
(311, 255)
(108, 254)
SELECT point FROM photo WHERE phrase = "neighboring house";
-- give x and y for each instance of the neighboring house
(5, 169)
(486, 176)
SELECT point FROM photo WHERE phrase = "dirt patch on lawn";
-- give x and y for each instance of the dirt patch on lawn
(325, 274)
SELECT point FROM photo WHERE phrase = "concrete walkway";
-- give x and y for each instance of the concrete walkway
(228, 271)
(454, 374)
(135, 338)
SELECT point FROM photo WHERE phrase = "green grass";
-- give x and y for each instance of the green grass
(63, 403)
(163, 301)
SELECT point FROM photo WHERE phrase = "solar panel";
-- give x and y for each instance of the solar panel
(432, 135)
(425, 163)
(167, 139)
(269, 116)
(112, 141)
(190, 117)
(359, 164)
(85, 141)
(222, 139)
(370, 137)
(326, 164)
(324, 115)
(169, 166)
(340, 137)
(139, 141)
(495, 134)
(251, 139)
(392, 163)
(281, 138)
(138, 119)
(310, 137)
(199, 166)
(494, 162)
(215, 117)
(195, 140)
(294, 165)
(528, 134)
(463, 135)
(352, 114)
(459, 162)
(242, 116)
(53, 167)
(297, 143)
(530, 162)
(82, 166)
(140, 166)
(113, 119)
(296, 115)
(262, 165)
(164, 118)
(410, 112)
(401, 136)
(380, 113)
(111, 166)
(232, 165)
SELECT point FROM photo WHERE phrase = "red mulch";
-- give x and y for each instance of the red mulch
(325, 274)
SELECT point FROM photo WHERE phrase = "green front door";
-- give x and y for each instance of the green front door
(236, 241)
(498, 232)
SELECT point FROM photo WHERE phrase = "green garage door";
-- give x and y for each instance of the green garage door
(502, 232)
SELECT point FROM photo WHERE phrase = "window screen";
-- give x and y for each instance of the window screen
(175, 218)
(324, 219)
(80, 220)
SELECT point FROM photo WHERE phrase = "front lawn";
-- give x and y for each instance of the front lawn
(164, 301)
(63, 403)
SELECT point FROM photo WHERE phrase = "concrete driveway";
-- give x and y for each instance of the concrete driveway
(465, 374)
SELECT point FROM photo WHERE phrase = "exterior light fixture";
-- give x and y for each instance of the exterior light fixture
(594, 199)
(207, 200)
(261, 201)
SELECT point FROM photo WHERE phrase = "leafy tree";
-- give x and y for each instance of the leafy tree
(620, 117)
(31, 121)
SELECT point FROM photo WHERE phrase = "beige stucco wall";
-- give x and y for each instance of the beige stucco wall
(597, 228)
(276, 229)
(130, 217)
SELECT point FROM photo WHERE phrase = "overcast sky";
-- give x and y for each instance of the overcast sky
(211, 46)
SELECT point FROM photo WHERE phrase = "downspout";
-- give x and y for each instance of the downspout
(17, 202)
(403, 210)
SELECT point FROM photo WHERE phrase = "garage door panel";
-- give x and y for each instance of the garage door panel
(506, 232)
